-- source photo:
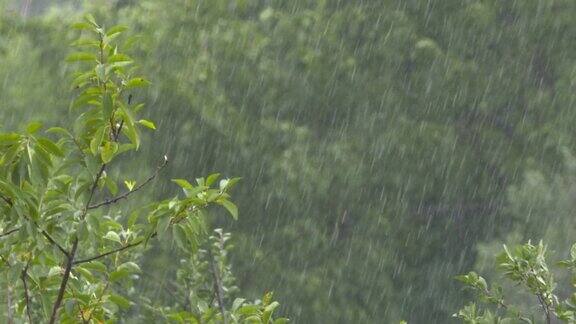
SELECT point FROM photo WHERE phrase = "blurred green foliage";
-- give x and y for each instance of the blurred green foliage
(382, 143)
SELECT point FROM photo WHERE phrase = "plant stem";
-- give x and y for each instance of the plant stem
(26, 295)
(218, 286)
(545, 306)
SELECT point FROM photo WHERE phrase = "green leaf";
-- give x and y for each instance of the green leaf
(248, 310)
(94, 222)
(111, 185)
(89, 18)
(285, 321)
(136, 83)
(232, 182)
(107, 106)
(130, 184)
(86, 42)
(179, 236)
(33, 127)
(162, 226)
(119, 58)
(237, 303)
(211, 179)
(85, 273)
(81, 57)
(9, 139)
(231, 207)
(97, 140)
(59, 130)
(100, 70)
(81, 25)
(147, 123)
(50, 146)
(119, 274)
(116, 30)
(112, 236)
(130, 266)
(268, 310)
(132, 218)
(120, 301)
(129, 128)
(55, 271)
(108, 151)
(183, 183)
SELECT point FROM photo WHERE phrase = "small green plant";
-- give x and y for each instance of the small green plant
(526, 267)
(68, 251)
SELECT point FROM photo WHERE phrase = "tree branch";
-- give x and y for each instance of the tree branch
(72, 252)
(96, 257)
(7, 200)
(10, 232)
(545, 306)
(52, 241)
(128, 193)
(26, 295)
(217, 286)
(44, 233)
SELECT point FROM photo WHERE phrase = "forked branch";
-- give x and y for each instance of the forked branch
(137, 188)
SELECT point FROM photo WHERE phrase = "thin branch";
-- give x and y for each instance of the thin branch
(500, 303)
(63, 283)
(10, 232)
(218, 286)
(96, 257)
(44, 233)
(7, 200)
(128, 193)
(545, 306)
(117, 134)
(26, 295)
(72, 252)
(52, 241)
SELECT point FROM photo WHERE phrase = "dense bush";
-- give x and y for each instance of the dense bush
(527, 268)
(70, 251)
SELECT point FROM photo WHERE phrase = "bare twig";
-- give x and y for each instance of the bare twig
(128, 193)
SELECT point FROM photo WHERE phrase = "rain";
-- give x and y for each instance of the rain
(374, 161)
